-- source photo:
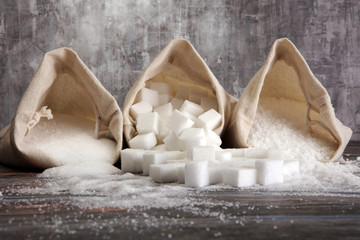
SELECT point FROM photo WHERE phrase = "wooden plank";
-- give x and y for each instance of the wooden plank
(352, 150)
(257, 215)
(216, 213)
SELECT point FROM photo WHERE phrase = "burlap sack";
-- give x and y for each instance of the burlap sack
(179, 63)
(64, 108)
(286, 75)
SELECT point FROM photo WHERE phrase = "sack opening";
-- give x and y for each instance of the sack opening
(75, 131)
(181, 87)
(282, 82)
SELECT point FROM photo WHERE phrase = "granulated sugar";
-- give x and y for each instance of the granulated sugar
(86, 169)
(280, 124)
(81, 169)
(67, 139)
(275, 127)
(100, 189)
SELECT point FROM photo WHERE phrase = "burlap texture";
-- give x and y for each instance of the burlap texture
(65, 85)
(179, 62)
(286, 75)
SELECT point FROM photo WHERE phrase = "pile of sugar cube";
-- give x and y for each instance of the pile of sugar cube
(172, 120)
(176, 142)
(240, 167)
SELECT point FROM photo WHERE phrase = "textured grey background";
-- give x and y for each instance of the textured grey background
(118, 39)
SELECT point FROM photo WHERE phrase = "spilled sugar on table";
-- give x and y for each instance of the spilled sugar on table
(251, 214)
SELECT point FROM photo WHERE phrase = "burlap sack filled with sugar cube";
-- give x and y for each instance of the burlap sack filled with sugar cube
(64, 116)
(182, 67)
(286, 75)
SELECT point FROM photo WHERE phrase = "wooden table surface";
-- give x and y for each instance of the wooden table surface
(259, 214)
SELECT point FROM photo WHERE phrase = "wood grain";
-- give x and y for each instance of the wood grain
(218, 214)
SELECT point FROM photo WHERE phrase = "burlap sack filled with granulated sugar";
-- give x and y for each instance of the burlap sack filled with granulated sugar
(286, 78)
(65, 116)
(180, 66)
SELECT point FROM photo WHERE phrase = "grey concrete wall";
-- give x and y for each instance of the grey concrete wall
(118, 39)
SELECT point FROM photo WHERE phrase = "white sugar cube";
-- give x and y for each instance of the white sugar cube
(172, 142)
(151, 158)
(236, 152)
(217, 148)
(210, 119)
(148, 122)
(181, 174)
(215, 174)
(212, 138)
(291, 168)
(182, 92)
(164, 110)
(139, 108)
(164, 98)
(178, 122)
(192, 108)
(165, 173)
(239, 177)
(240, 162)
(195, 95)
(275, 154)
(208, 103)
(143, 141)
(164, 131)
(192, 118)
(256, 153)
(196, 174)
(161, 87)
(270, 171)
(132, 160)
(183, 160)
(150, 96)
(222, 155)
(160, 147)
(194, 142)
(177, 102)
(203, 153)
(189, 134)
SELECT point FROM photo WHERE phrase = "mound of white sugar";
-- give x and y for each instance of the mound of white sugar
(82, 169)
(100, 188)
(69, 139)
(280, 124)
